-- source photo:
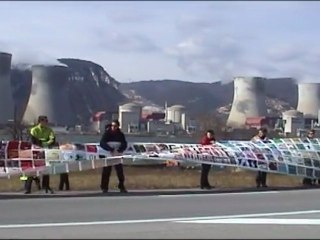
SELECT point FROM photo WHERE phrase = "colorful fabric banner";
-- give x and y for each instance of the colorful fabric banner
(290, 156)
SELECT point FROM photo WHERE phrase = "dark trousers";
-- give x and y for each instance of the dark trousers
(64, 180)
(46, 183)
(307, 181)
(105, 177)
(205, 168)
(261, 179)
(28, 183)
(315, 181)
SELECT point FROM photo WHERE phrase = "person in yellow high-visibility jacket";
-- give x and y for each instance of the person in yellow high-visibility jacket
(43, 136)
(24, 178)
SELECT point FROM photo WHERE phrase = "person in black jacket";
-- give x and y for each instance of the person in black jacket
(111, 137)
(261, 178)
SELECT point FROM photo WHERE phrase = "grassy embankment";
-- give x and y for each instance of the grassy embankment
(159, 178)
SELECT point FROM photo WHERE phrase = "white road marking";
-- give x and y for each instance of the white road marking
(68, 224)
(216, 194)
(275, 221)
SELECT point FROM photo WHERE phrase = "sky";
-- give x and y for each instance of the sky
(182, 40)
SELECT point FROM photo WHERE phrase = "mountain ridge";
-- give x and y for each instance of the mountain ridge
(282, 94)
(90, 89)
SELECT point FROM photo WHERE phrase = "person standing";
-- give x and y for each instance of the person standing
(64, 181)
(261, 177)
(24, 179)
(43, 136)
(208, 139)
(111, 137)
(36, 179)
(309, 181)
(46, 183)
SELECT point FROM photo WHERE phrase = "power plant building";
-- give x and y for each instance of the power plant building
(6, 98)
(174, 113)
(248, 101)
(292, 121)
(129, 117)
(160, 127)
(49, 96)
(309, 99)
(98, 122)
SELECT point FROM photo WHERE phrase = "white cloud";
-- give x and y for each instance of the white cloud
(215, 57)
(231, 43)
(201, 41)
(286, 52)
(131, 17)
(191, 24)
(125, 42)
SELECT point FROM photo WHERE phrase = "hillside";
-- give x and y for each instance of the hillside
(202, 97)
(91, 89)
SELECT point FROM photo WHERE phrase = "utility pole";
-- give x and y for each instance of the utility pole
(165, 112)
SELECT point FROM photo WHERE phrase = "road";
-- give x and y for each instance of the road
(270, 214)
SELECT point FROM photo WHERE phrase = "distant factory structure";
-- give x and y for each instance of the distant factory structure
(48, 92)
(309, 99)
(293, 120)
(129, 117)
(249, 109)
(6, 98)
(135, 118)
(49, 96)
(98, 122)
(248, 101)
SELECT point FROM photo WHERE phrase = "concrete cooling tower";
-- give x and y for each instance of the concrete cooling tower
(248, 100)
(6, 98)
(309, 99)
(49, 96)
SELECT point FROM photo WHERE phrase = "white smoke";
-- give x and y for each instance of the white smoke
(24, 58)
(296, 61)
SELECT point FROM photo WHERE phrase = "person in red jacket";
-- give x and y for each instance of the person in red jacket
(208, 139)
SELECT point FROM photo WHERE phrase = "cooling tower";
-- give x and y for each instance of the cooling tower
(6, 99)
(248, 100)
(21, 80)
(49, 96)
(309, 99)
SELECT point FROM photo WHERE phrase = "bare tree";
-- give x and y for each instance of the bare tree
(211, 120)
(14, 127)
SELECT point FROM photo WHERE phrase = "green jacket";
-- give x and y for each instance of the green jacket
(43, 136)
(23, 178)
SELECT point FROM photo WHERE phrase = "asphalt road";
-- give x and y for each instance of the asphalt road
(274, 214)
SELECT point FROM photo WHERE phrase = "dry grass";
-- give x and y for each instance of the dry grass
(159, 178)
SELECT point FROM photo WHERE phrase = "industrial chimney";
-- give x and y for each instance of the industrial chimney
(309, 99)
(49, 96)
(248, 100)
(6, 98)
